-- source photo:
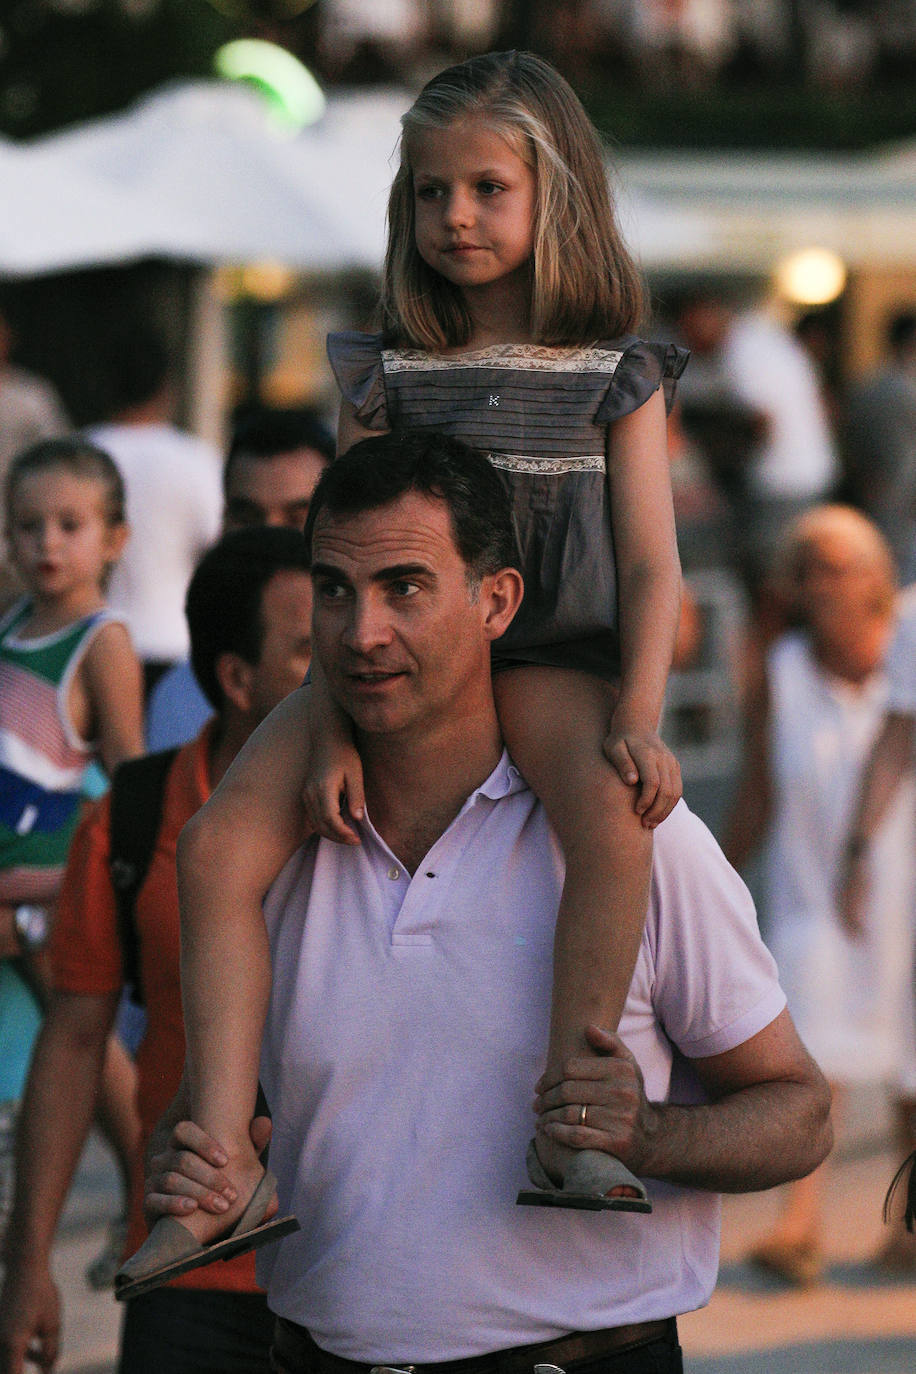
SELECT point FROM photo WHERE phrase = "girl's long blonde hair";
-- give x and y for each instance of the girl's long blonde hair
(584, 283)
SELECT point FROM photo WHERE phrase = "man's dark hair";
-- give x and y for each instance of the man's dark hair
(377, 471)
(223, 604)
(263, 433)
(138, 366)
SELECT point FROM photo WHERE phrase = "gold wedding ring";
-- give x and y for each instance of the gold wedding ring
(583, 1110)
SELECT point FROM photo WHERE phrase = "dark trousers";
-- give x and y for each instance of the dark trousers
(659, 1356)
(196, 1331)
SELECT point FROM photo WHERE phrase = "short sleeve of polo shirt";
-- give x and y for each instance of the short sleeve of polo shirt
(85, 945)
(716, 983)
(901, 659)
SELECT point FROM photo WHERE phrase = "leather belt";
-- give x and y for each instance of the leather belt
(294, 1343)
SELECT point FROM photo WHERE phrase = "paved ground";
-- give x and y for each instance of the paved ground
(853, 1323)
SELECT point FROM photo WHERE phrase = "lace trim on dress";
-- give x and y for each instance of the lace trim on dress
(531, 357)
(516, 462)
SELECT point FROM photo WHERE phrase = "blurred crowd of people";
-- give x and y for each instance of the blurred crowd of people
(832, 43)
(813, 512)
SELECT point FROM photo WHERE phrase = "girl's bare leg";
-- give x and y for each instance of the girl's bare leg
(554, 722)
(228, 856)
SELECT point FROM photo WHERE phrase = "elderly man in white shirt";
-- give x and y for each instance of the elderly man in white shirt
(412, 973)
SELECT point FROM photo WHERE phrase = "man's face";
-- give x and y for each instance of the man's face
(286, 612)
(272, 491)
(399, 634)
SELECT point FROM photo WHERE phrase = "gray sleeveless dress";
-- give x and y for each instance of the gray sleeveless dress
(541, 416)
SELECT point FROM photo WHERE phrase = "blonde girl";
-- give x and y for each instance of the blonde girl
(508, 311)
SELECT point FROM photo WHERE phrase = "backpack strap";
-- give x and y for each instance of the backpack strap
(137, 792)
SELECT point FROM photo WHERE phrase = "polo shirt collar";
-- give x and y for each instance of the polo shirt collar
(502, 782)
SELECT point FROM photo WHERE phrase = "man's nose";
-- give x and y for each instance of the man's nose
(368, 626)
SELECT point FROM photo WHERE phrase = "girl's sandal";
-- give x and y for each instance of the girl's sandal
(587, 1181)
(170, 1249)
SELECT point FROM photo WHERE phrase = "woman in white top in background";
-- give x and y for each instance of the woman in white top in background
(812, 718)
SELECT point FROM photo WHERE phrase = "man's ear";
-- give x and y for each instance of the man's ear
(501, 594)
(234, 677)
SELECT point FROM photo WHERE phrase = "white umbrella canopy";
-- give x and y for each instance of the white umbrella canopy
(198, 172)
(201, 172)
(53, 217)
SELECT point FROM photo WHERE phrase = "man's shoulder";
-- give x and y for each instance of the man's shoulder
(691, 877)
(136, 441)
(681, 835)
(177, 708)
(715, 984)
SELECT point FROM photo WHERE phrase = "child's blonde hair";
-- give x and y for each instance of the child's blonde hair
(808, 534)
(74, 455)
(585, 285)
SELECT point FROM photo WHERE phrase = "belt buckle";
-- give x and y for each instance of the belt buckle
(393, 1369)
(548, 1369)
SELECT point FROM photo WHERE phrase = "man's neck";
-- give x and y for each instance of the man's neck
(416, 786)
(155, 411)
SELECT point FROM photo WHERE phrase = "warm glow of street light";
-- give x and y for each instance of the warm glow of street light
(293, 92)
(812, 276)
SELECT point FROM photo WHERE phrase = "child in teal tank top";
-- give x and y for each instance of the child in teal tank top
(70, 692)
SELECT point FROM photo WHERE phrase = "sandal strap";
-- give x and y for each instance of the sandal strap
(258, 1203)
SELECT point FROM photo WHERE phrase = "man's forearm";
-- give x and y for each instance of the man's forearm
(767, 1119)
(56, 1114)
(753, 1139)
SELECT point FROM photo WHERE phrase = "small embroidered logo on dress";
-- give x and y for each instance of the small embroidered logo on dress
(493, 401)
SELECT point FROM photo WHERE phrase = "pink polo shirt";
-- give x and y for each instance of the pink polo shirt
(407, 1027)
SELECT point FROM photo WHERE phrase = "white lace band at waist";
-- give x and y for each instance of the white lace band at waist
(517, 462)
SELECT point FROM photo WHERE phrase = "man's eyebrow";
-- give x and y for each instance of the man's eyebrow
(396, 572)
(327, 570)
(401, 572)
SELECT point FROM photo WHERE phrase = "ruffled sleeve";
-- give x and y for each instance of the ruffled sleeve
(356, 361)
(643, 368)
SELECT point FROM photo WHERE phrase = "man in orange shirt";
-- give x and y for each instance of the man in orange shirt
(249, 613)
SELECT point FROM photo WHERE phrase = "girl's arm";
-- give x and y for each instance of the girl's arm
(335, 774)
(110, 682)
(649, 588)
